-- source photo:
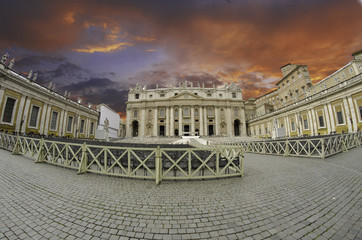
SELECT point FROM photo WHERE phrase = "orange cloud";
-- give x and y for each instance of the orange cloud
(150, 50)
(104, 49)
(143, 39)
(69, 17)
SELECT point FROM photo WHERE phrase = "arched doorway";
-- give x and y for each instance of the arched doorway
(237, 127)
(135, 129)
(162, 130)
(176, 132)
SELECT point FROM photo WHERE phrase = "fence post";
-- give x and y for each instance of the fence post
(158, 165)
(264, 148)
(84, 161)
(241, 161)
(16, 150)
(323, 153)
(41, 155)
(286, 151)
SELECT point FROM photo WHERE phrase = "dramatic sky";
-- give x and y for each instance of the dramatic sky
(98, 49)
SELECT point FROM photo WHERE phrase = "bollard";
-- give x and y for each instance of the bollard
(84, 161)
(158, 165)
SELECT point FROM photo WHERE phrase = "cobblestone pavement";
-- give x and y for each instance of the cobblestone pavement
(278, 198)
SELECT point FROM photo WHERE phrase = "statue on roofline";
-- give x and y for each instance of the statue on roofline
(4, 58)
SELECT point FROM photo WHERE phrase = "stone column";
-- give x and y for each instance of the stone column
(192, 121)
(180, 129)
(329, 129)
(205, 121)
(128, 123)
(331, 116)
(217, 125)
(167, 121)
(60, 122)
(172, 128)
(26, 112)
(348, 115)
(201, 120)
(243, 121)
(314, 122)
(142, 123)
(228, 122)
(19, 117)
(43, 116)
(65, 122)
(287, 127)
(155, 122)
(2, 92)
(353, 114)
(310, 122)
(47, 120)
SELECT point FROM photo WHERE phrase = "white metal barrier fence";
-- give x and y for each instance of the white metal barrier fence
(318, 147)
(145, 163)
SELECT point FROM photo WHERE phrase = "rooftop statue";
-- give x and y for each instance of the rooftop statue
(11, 64)
(30, 74)
(35, 77)
(4, 58)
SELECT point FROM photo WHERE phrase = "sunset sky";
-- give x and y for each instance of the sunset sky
(98, 49)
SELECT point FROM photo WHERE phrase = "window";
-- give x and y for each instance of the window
(282, 125)
(209, 112)
(70, 124)
(176, 94)
(162, 112)
(162, 95)
(293, 126)
(196, 112)
(220, 95)
(360, 112)
(209, 94)
(234, 95)
(81, 130)
(137, 96)
(135, 113)
(53, 121)
(266, 130)
(344, 76)
(9, 109)
(236, 112)
(321, 121)
(186, 112)
(305, 123)
(176, 112)
(34, 116)
(92, 128)
(259, 130)
(151, 96)
(340, 119)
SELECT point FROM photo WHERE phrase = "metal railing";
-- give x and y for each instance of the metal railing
(133, 162)
(318, 147)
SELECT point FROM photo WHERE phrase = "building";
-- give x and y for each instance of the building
(299, 108)
(109, 123)
(185, 110)
(29, 108)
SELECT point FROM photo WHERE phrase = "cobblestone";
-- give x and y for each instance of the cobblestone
(278, 198)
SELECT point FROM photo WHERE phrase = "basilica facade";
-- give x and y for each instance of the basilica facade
(186, 110)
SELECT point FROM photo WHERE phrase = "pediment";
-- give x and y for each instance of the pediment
(186, 96)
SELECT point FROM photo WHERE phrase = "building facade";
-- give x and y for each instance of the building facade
(185, 110)
(29, 108)
(333, 105)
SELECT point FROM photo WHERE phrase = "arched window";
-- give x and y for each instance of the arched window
(135, 113)
(176, 112)
(196, 112)
(209, 112)
(186, 112)
(162, 112)
(236, 112)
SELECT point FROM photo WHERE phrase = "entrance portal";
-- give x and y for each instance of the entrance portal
(162, 130)
(186, 130)
(237, 127)
(211, 130)
(176, 132)
(134, 129)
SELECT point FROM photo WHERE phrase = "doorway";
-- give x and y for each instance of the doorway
(162, 131)
(211, 130)
(134, 129)
(186, 130)
(237, 127)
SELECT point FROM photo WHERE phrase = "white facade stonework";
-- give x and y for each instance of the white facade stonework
(185, 110)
